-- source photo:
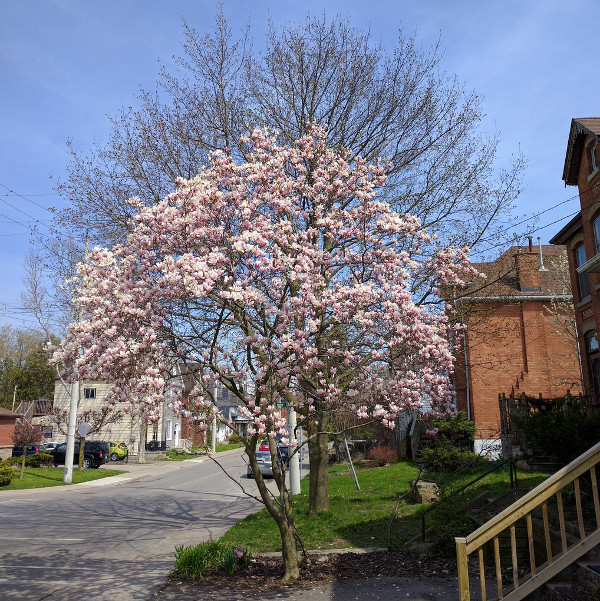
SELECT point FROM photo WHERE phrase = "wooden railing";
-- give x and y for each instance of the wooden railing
(524, 570)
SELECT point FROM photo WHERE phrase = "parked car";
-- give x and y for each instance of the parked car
(117, 451)
(282, 449)
(95, 454)
(30, 449)
(265, 465)
(50, 446)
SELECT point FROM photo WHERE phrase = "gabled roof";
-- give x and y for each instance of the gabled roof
(580, 130)
(503, 278)
(568, 231)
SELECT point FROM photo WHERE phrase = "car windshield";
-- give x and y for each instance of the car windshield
(263, 456)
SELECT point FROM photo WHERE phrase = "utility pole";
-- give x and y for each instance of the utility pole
(14, 397)
(70, 451)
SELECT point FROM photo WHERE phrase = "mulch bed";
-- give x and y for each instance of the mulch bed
(265, 572)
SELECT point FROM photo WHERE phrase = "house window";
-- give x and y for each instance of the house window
(594, 158)
(47, 431)
(169, 433)
(89, 393)
(592, 347)
(591, 341)
(584, 283)
(596, 226)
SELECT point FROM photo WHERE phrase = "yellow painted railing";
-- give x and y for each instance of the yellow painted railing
(514, 576)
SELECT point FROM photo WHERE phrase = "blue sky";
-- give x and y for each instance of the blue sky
(66, 64)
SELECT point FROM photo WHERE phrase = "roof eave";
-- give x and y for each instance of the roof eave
(563, 236)
(577, 136)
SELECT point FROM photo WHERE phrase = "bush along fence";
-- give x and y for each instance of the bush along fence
(532, 426)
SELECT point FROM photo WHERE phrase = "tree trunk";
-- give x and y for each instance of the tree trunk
(282, 513)
(23, 462)
(318, 496)
(81, 453)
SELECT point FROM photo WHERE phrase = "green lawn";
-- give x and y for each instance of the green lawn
(181, 455)
(42, 477)
(362, 518)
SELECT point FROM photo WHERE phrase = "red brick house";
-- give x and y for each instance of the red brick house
(519, 337)
(581, 236)
(7, 428)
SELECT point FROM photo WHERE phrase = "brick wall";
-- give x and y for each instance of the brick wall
(513, 346)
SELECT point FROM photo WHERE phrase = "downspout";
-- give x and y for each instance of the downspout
(467, 377)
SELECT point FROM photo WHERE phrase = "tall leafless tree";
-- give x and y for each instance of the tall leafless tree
(393, 102)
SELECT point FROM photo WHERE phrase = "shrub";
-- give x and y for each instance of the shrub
(445, 457)
(562, 434)
(6, 475)
(447, 520)
(39, 460)
(456, 429)
(383, 455)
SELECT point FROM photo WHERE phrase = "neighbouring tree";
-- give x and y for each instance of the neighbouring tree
(24, 434)
(285, 278)
(25, 373)
(394, 102)
(560, 313)
(44, 295)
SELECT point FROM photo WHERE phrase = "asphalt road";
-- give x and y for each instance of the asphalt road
(114, 539)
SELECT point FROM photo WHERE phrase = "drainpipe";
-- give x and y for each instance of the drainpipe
(467, 377)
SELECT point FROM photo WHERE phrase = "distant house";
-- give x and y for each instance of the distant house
(163, 434)
(8, 419)
(519, 336)
(581, 236)
(229, 407)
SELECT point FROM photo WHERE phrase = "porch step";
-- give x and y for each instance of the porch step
(580, 582)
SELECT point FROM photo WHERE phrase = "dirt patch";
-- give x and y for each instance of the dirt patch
(265, 572)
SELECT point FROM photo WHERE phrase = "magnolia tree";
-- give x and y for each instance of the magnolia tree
(285, 279)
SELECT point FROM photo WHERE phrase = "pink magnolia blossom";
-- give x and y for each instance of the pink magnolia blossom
(285, 277)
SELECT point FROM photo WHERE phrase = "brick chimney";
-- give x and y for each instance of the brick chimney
(527, 264)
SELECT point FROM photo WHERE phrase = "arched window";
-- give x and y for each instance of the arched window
(594, 151)
(584, 283)
(591, 341)
(596, 226)
(593, 357)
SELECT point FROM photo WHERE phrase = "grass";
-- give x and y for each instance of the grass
(42, 477)
(228, 447)
(362, 518)
(182, 455)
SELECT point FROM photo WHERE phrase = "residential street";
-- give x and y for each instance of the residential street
(114, 538)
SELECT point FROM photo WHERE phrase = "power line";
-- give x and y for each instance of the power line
(26, 195)
(13, 193)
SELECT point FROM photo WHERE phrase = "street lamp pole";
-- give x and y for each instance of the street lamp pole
(70, 451)
(294, 460)
(213, 431)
